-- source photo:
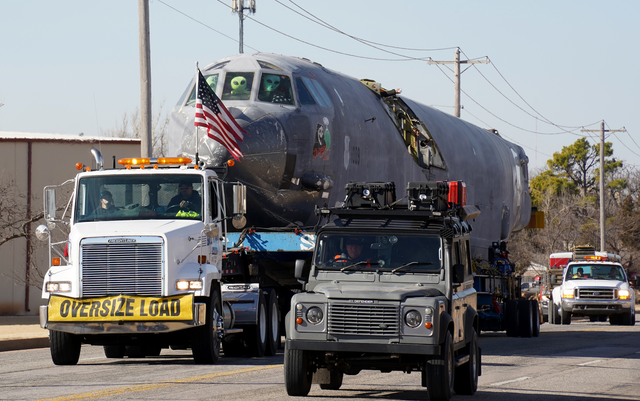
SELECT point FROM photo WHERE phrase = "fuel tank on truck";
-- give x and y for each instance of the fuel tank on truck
(311, 130)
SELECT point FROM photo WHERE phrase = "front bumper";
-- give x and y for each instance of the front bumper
(596, 307)
(371, 348)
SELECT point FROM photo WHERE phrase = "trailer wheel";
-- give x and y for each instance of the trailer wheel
(336, 377)
(511, 317)
(114, 351)
(297, 372)
(440, 373)
(535, 309)
(525, 319)
(205, 341)
(466, 376)
(273, 313)
(65, 347)
(255, 337)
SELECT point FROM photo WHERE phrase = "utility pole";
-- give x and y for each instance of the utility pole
(602, 208)
(237, 6)
(145, 79)
(457, 73)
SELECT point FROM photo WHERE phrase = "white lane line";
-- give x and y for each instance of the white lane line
(590, 362)
(510, 381)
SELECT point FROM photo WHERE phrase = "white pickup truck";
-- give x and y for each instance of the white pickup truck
(595, 288)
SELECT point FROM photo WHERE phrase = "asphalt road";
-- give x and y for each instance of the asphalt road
(582, 361)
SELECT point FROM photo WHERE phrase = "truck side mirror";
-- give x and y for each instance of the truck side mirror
(458, 273)
(239, 206)
(49, 204)
(299, 271)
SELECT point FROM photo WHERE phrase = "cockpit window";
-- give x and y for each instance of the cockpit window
(317, 91)
(237, 86)
(275, 89)
(304, 96)
(211, 79)
(269, 66)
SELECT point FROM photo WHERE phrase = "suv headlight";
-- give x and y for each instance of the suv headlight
(413, 318)
(314, 315)
(568, 293)
(624, 294)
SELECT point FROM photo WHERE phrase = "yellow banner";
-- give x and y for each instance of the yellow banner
(120, 308)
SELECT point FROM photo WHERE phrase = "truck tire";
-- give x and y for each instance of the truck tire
(556, 314)
(615, 320)
(114, 351)
(206, 339)
(525, 319)
(629, 319)
(535, 309)
(65, 347)
(565, 318)
(466, 376)
(511, 318)
(255, 337)
(336, 377)
(273, 328)
(297, 372)
(440, 374)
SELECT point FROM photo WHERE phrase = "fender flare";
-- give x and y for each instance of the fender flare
(445, 322)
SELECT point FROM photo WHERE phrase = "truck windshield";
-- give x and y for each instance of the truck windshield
(139, 197)
(397, 253)
(601, 272)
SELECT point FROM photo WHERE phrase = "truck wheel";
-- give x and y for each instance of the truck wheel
(556, 315)
(440, 373)
(511, 317)
(535, 310)
(114, 351)
(615, 320)
(336, 376)
(65, 347)
(525, 320)
(630, 318)
(297, 372)
(256, 336)
(205, 340)
(466, 376)
(566, 316)
(273, 313)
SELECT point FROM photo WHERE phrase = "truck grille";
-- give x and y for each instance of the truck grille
(596, 293)
(375, 320)
(122, 268)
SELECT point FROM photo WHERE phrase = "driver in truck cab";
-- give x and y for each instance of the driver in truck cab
(187, 199)
(353, 250)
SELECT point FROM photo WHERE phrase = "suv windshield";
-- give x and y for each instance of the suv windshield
(601, 272)
(396, 253)
(139, 197)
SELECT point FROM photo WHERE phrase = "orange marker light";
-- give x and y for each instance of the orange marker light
(79, 166)
(55, 261)
(428, 325)
(231, 163)
(299, 320)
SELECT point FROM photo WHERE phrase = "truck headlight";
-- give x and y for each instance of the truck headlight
(62, 286)
(624, 294)
(314, 315)
(183, 285)
(413, 318)
(567, 294)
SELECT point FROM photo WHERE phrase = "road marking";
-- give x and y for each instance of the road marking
(153, 386)
(510, 381)
(590, 362)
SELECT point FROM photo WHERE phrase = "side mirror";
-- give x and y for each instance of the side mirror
(458, 273)
(239, 199)
(49, 204)
(301, 271)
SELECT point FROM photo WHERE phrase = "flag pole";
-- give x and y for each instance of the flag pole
(197, 128)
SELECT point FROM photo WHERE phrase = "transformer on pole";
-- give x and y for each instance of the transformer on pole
(237, 6)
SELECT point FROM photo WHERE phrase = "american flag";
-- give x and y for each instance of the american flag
(211, 114)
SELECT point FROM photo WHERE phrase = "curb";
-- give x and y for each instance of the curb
(24, 343)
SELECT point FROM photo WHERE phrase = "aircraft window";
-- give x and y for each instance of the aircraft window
(212, 80)
(275, 89)
(237, 86)
(270, 66)
(317, 92)
(217, 66)
(303, 93)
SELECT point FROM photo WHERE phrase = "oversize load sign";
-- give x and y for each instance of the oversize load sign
(120, 308)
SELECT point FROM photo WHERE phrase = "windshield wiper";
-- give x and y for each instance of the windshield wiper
(364, 262)
(409, 264)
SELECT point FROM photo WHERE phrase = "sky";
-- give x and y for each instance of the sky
(557, 67)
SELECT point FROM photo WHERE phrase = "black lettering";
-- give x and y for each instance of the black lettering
(64, 308)
(93, 312)
(105, 308)
(175, 307)
(164, 309)
(142, 312)
(119, 311)
(153, 308)
(129, 310)
(74, 308)
(83, 310)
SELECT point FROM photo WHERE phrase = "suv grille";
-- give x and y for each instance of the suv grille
(375, 320)
(122, 268)
(596, 293)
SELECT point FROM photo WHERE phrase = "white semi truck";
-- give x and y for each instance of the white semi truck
(141, 268)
